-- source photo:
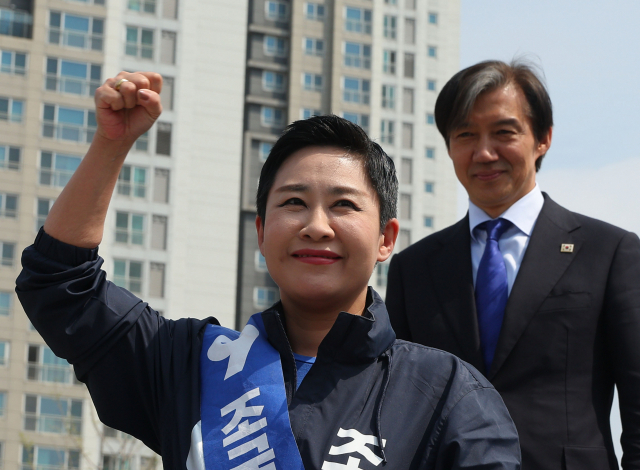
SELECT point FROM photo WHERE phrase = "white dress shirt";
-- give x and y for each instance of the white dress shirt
(513, 243)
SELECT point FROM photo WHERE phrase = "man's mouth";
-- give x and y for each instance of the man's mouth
(316, 256)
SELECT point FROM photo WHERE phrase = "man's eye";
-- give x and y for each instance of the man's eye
(462, 135)
(505, 132)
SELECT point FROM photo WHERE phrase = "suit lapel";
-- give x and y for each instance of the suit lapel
(542, 267)
(451, 274)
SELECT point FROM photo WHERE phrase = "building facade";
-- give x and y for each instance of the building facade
(171, 234)
(378, 63)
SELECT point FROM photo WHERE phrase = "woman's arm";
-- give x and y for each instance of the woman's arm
(123, 115)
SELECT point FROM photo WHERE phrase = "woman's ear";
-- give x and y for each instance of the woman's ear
(388, 239)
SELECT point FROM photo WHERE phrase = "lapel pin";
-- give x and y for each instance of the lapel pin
(566, 248)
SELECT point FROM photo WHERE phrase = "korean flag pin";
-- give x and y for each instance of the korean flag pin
(566, 248)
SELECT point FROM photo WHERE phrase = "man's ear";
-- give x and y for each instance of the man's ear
(545, 143)
(388, 239)
(260, 230)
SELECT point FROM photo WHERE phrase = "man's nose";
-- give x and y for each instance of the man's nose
(317, 226)
(484, 151)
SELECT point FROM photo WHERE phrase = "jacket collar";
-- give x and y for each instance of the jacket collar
(352, 339)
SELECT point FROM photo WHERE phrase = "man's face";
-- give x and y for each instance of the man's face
(494, 152)
(321, 234)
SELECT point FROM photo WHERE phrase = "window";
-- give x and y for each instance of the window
(10, 157)
(312, 82)
(4, 354)
(272, 81)
(142, 142)
(391, 2)
(129, 228)
(430, 153)
(14, 63)
(11, 109)
(44, 366)
(159, 232)
(313, 46)
(357, 20)
(264, 148)
(168, 47)
(260, 262)
(264, 297)
(389, 29)
(306, 113)
(432, 18)
(275, 47)
(410, 4)
(409, 65)
(406, 170)
(8, 205)
(431, 85)
(407, 100)
(62, 123)
(132, 181)
(405, 206)
(277, 11)
(128, 274)
(166, 97)
(428, 221)
(8, 253)
(78, 78)
(356, 90)
(389, 62)
(409, 31)
(388, 96)
(431, 119)
(170, 9)
(357, 55)
(56, 169)
(156, 280)
(5, 303)
(139, 42)
(382, 271)
(386, 131)
(16, 23)
(432, 51)
(116, 462)
(271, 116)
(83, 32)
(163, 138)
(42, 209)
(428, 187)
(49, 458)
(3, 401)
(54, 415)
(314, 11)
(360, 119)
(407, 135)
(161, 185)
(144, 6)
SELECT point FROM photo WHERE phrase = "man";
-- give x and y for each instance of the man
(543, 301)
(318, 380)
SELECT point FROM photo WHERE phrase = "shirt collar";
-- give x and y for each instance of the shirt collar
(523, 213)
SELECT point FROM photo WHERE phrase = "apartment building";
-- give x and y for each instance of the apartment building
(378, 63)
(171, 234)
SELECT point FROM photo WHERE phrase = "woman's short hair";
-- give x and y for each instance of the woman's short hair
(333, 131)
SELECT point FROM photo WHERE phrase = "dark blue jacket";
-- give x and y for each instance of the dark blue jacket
(432, 410)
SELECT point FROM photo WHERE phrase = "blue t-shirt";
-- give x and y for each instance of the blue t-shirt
(303, 364)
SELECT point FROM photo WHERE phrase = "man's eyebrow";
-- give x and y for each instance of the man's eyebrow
(334, 190)
(508, 122)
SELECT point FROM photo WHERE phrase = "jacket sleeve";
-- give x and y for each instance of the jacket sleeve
(622, 323)
(394, 300)
(130, 358)
(479, 433)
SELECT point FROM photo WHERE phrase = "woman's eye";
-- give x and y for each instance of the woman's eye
(294, 201)
(345, 203)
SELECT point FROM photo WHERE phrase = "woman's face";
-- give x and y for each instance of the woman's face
(321, 234)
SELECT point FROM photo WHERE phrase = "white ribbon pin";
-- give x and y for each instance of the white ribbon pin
(236, 350)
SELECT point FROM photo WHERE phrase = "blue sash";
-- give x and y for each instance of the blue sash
(245, 420)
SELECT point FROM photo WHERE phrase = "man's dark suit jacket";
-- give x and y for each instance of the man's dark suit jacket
(571, 331)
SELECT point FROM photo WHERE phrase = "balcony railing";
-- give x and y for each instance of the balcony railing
(51, 373)
(16, 23)
(71, 85)
(64, 131)
(79, 39)
(53, 424)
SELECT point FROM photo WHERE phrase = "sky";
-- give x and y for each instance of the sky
(590, 54)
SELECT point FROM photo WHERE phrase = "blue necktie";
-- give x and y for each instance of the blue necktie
(492, 290)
